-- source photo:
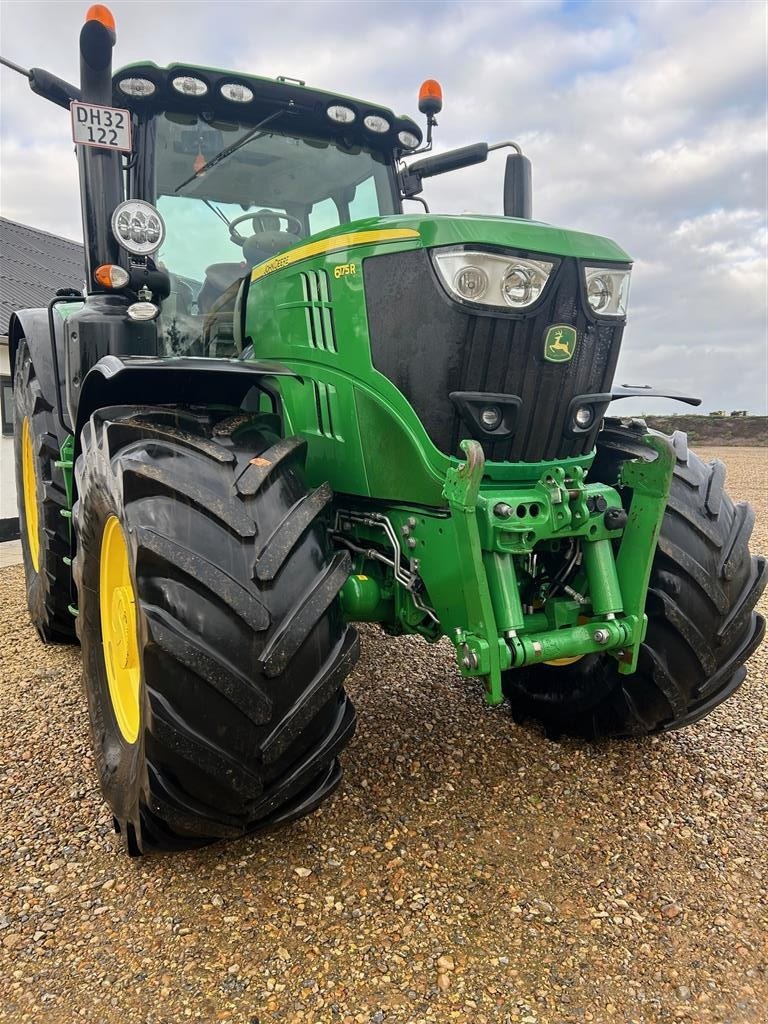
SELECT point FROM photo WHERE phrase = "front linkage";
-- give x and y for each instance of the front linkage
(604, 613)
(481, 574)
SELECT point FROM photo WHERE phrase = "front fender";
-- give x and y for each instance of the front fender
(178, 380)
(32, 324)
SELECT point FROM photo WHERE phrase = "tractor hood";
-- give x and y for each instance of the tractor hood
(507, 232)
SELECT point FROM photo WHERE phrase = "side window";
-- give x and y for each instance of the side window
(366, 202)
(323, 215)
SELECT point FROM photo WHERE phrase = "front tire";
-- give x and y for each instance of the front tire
(213, 645)
(701, 623)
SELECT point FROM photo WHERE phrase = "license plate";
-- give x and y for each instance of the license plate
(105, 127)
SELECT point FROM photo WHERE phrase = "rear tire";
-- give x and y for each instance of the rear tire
(44, 531)
(701, 623)
(239, 637)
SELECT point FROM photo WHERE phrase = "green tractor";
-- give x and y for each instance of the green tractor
(281, 405)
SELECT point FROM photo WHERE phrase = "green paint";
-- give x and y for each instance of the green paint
(478, 645)
(65, 463)
(465, 534)
(605, 592)
(650, 483)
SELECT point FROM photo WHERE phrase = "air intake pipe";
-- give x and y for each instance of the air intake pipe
(101, 187)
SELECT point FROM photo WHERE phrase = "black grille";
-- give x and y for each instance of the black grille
(430, 346)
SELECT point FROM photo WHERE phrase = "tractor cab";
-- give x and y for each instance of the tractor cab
(241, 170)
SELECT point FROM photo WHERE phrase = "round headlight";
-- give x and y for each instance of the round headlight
(138, 227)
(341, 114)
(376, 123)
(236, 92)
(599, 292)
(408, 139)
(471, 283)
(520, 286)
(188, 85)
(136, 86)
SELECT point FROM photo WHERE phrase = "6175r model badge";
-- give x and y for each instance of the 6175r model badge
(559, 343)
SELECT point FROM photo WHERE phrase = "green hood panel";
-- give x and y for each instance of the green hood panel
(531, 235)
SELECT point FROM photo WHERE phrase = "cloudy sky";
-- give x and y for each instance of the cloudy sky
(645, 121)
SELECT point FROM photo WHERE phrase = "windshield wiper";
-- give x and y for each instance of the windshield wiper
(224, 153)
(216, 210)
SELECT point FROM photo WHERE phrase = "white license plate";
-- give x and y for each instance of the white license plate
(105, 127)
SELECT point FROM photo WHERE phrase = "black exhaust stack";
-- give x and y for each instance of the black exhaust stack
(517, 187)
(100, 176)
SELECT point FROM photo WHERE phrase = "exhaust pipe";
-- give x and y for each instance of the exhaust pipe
(101, 187)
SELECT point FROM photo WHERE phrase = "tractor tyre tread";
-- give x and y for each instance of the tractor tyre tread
(49, 589)
(244, 712)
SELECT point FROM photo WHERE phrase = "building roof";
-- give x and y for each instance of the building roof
(33, 264)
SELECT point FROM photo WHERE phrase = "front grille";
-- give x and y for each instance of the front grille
(430, 346)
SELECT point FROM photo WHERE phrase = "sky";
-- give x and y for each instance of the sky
(645, 121)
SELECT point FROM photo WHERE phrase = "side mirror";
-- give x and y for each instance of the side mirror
(517, 187)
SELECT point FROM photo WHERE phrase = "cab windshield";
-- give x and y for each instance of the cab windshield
(267, 194)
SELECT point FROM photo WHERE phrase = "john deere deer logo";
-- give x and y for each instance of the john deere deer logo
(560, 343)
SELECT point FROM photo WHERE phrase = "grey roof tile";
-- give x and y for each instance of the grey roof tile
(33, 264)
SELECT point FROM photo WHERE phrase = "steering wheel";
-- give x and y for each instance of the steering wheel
(261, 222)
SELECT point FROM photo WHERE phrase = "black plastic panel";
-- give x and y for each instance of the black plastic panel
(430, 346)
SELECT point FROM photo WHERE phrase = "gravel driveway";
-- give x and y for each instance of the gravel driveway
(467, 870)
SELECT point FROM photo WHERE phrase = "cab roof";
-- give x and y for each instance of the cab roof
(306, 109)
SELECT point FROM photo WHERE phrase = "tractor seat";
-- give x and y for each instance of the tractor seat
(218, 277)
(265, 244)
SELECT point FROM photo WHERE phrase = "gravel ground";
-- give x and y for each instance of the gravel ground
(467, 870)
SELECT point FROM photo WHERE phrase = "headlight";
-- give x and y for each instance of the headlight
(138, 227)
(607, 290)
(143, 311)
(408, 140)
(188, 85)
(490, 279)
(236, 92)
(376, 123)
(341, 114)
(136, 86)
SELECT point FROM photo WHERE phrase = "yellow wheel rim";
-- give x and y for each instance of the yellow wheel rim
(117, 607)
(29, 480)
(564, 661)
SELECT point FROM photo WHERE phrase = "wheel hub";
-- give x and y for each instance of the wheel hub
(123, 644)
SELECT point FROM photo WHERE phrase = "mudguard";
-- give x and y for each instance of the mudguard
(32, 324)
(182, 380)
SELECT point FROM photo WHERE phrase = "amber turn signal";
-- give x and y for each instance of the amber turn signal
(108, 275)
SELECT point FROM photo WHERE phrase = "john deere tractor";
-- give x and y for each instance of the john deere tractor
(281, 405)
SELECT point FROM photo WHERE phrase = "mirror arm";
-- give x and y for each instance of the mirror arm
(508, 144)
(410, 179)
